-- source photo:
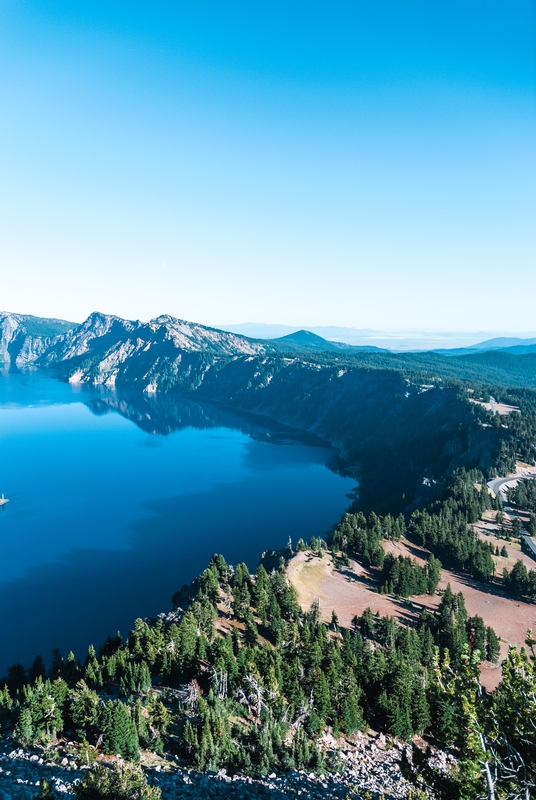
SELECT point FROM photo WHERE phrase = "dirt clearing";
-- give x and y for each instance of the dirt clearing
(349, 591)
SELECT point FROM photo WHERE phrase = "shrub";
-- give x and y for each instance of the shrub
(122, 781)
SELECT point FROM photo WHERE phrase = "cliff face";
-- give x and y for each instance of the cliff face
(397, 436)
(106, 348)
(24, 339)
(109, 350)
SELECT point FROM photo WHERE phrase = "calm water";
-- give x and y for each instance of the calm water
(117, 500)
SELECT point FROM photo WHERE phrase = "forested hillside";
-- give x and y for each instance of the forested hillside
(240, 678)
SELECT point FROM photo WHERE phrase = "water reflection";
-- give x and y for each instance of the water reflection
(109, 518)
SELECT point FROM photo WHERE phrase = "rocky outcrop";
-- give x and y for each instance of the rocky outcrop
(366, 763)
(149, 356)
(24, 339)
(105, 347)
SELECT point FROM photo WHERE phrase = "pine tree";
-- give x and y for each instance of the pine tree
(493, 646)
(37, 670)
(24, 733)
(45, 791)
(189, 736)
(84, 710)
(119, 731)
(433, 574)
(420, 709)
(352, 714)
(251, 634)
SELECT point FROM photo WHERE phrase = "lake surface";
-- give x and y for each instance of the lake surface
(117, 500)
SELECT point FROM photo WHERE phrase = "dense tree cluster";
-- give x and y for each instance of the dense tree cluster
(524, 495)
(242, 678)
(361, 537)
(404, 577)
(445, 527)
(521, 581)
(495, 735)
(520, 429)
(71, 700)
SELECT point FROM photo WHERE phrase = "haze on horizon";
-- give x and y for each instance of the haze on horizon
(306, 164)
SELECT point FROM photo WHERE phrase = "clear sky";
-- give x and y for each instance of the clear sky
(368, 164)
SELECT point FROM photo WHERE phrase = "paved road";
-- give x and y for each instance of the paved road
(501, 484)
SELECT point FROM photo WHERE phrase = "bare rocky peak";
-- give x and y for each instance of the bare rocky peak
(195, 337)
(99, 324)
(104, 347)
(107, 349)
(96, 326)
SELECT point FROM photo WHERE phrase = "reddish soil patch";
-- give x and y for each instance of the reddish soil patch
(350, 591)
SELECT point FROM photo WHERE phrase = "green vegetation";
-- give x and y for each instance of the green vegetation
(257, 696)
(524, 495)
(445, 527)
(118, 782)
(404, 577)
(494, 734)
(243, 679)
(40, 326)
(520, 581)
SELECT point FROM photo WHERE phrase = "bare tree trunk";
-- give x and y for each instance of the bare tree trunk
(490, 783)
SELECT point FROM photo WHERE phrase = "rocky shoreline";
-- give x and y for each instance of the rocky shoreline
(369, 763)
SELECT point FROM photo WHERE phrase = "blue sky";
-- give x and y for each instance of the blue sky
(367, 164)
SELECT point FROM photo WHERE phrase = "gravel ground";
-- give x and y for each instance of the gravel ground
(371, 763)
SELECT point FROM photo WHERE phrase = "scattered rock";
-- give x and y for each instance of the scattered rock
(366, 765)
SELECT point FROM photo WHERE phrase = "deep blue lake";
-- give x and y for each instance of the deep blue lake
(117, 500)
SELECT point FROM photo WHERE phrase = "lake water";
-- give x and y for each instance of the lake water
(117, 500)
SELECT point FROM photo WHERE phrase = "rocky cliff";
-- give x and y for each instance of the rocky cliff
(146, 355)
(24, 338)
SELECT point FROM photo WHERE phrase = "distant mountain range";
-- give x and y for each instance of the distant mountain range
(306, 341)
(24, 338)
(396, 341)
(515, 346)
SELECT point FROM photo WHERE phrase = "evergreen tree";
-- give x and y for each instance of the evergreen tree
(23, 732)
(37, 670)
(119, 782)
(119, 732)
(493, 646)
(84, 711)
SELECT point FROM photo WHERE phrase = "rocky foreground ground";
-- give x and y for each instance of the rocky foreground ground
(369, 762)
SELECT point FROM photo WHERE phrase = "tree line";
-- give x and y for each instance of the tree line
(524, 495)
(444, 528)
(252, 693)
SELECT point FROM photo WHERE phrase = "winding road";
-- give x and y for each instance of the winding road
(502, 485)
